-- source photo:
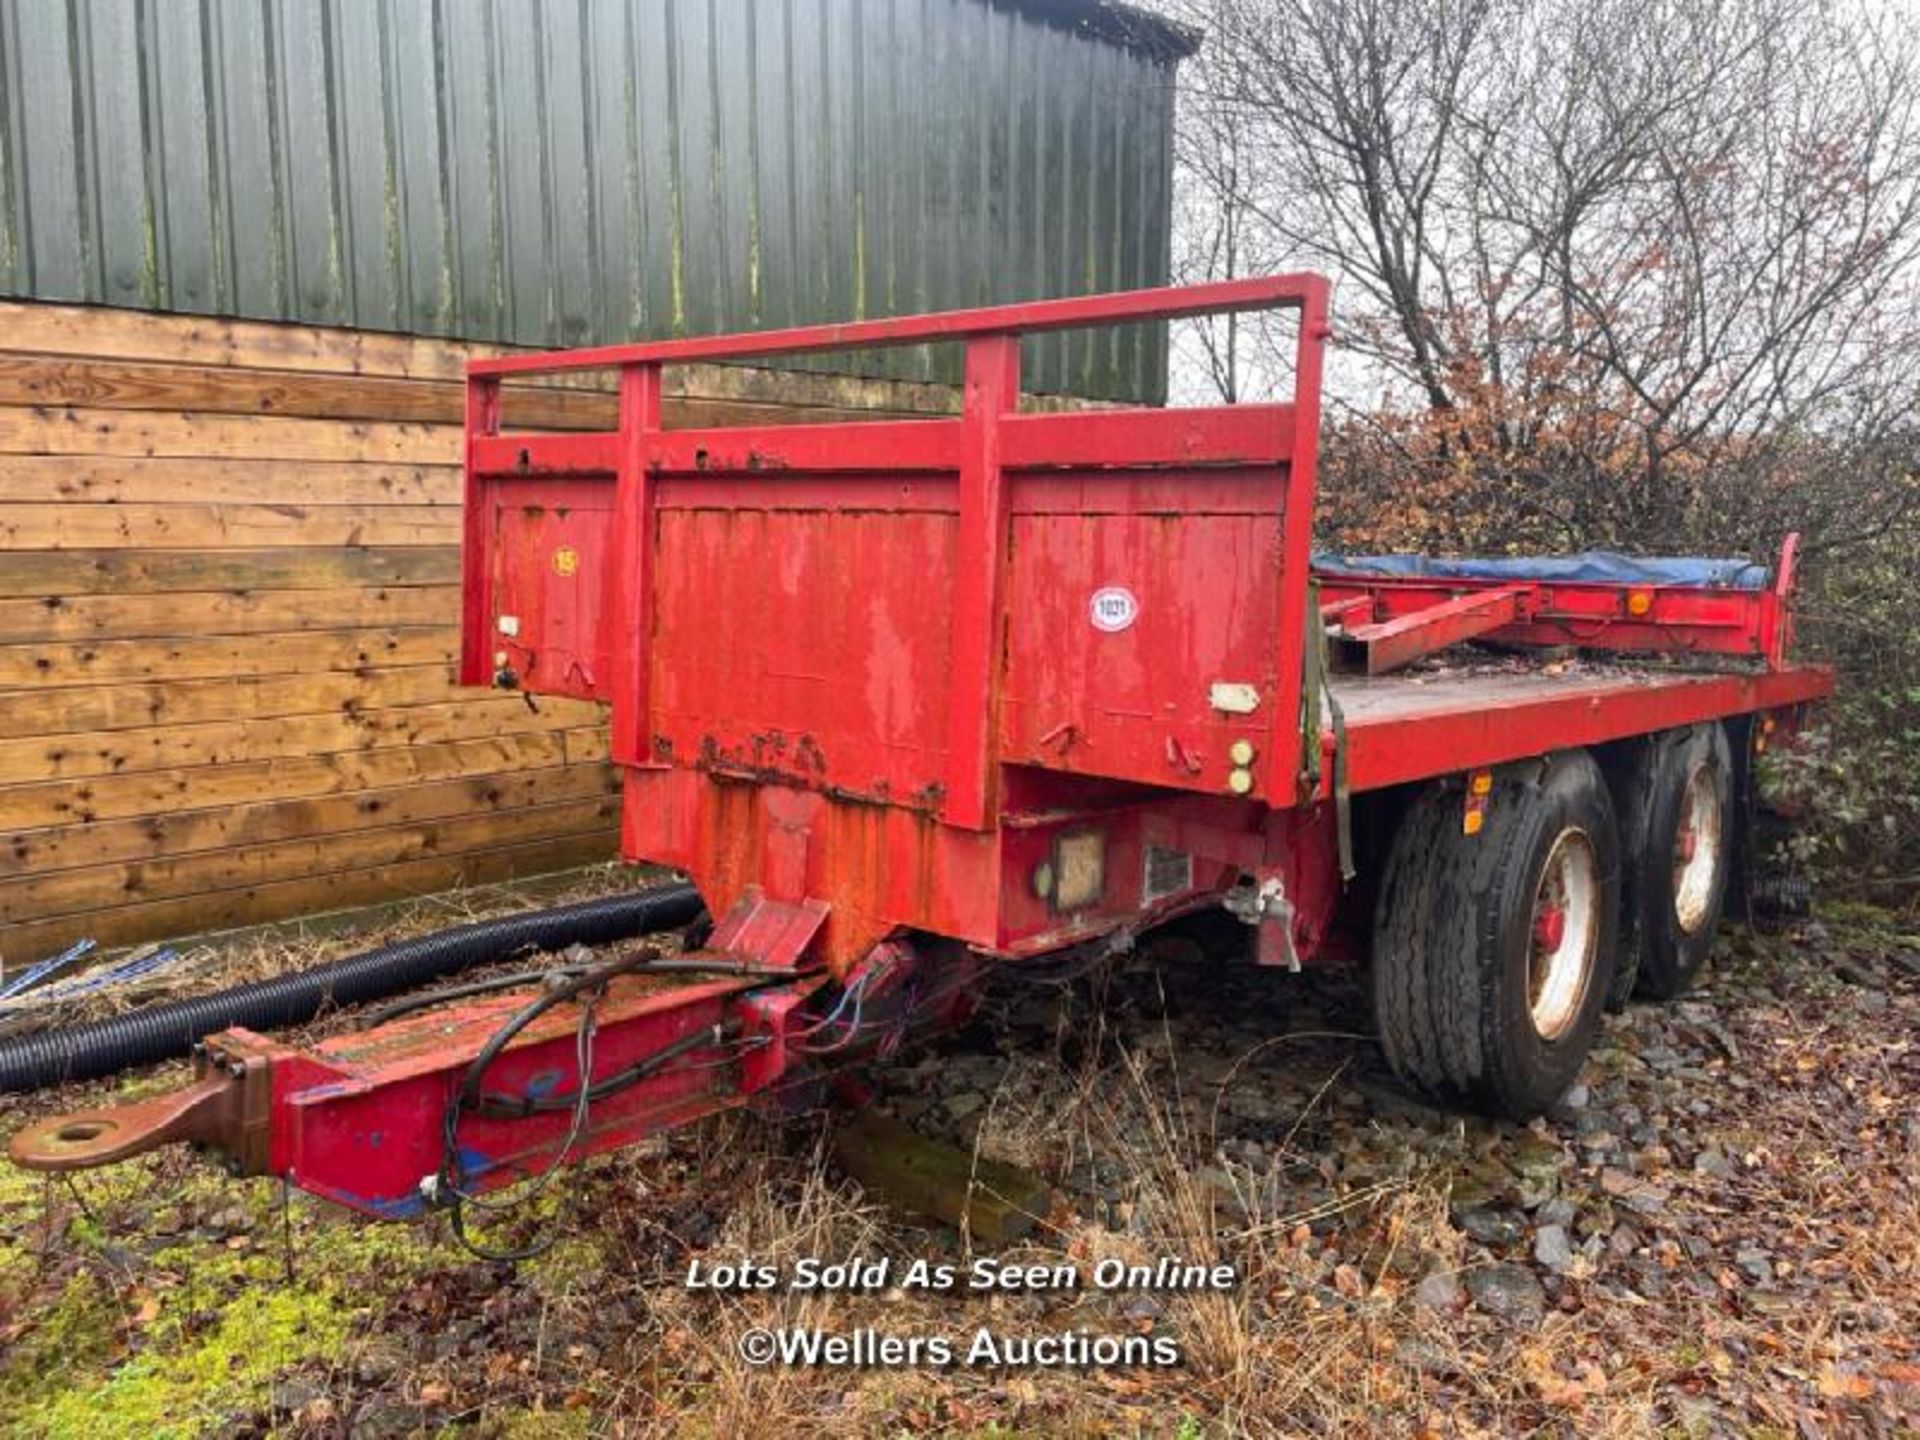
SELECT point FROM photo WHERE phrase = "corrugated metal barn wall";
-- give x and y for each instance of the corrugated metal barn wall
(562, 172)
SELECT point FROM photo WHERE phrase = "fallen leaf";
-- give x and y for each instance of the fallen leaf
(1838, 1384)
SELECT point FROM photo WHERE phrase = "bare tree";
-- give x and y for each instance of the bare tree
(1623, 266)
(1222, 234)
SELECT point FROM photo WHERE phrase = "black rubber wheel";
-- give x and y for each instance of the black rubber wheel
(1482, 996)
(1677, 835)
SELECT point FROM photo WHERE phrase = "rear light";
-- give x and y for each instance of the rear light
(1240, 779)
(1479, 788)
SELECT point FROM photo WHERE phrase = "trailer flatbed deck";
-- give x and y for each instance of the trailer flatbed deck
(1421, 724)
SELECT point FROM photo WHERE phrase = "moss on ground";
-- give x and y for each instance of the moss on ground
(162, 1305)
(200, 1382)
(547, 1424)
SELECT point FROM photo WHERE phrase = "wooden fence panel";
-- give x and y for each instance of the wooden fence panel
(228, 600)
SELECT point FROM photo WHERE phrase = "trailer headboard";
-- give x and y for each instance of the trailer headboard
(889, 611)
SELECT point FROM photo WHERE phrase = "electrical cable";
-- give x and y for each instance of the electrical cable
(487, 985)
(583, 1057)
(859, 992)
(846, 995)
(448, 1185)
(492, 1105)
(411, 1003)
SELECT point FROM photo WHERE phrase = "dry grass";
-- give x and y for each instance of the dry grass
(1128, 1101)
(1302, 1344)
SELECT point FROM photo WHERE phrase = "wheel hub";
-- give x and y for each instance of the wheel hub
(1564, 935)
(1696, 850)
(1550, 927)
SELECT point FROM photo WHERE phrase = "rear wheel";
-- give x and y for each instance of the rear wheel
(1677, 829)
(1493, 952)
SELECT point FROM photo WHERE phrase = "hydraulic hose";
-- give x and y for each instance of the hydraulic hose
(162, 1032)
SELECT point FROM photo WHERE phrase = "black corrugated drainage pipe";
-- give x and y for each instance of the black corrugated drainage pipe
(161, 1032)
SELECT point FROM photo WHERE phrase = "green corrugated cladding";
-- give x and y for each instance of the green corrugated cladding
(568, 172)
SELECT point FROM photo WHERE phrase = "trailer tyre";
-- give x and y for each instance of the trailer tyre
(1493, 953)
(1677, 830)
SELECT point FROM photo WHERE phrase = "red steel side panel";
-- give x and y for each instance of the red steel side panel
(551, 583)
(806, 644)
(879, 866)
(1237, 436)
(1130, 697)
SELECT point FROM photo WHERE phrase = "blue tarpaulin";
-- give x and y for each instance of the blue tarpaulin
(1593, 565)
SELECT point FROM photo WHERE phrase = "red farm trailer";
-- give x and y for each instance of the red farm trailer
(912, 699)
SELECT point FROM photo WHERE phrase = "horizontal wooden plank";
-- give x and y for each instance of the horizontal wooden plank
(79, 332)
(86, 431)
(681, 412)
(69, 709)
(37, 381)
(145, 837)
(82, 330)
(122, 479)
(111, 661)
(805, 390)
(133, 385)
(193, 915)
(223, 612)
(96, 798)
(131, 572)
(218, 527)
(38, 896)
(589, 745)
(31, 759)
